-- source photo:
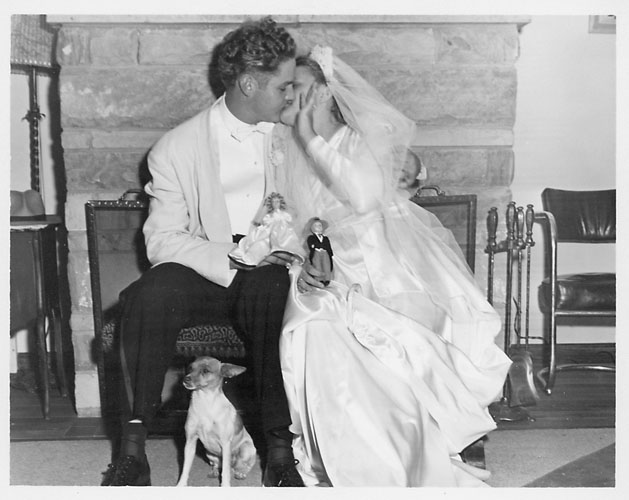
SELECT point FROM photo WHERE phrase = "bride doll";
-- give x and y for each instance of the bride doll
(275, 233)
(389, 369)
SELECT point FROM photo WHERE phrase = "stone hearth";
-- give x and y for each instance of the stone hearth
(125, 80)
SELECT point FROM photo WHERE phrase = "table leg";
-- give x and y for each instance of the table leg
(42, 352)
(53, 306)
(57, 340)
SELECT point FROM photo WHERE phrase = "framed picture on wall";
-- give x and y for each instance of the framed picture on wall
(603, 24)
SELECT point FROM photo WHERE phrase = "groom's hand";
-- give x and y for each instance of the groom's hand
(278, 258)
(241, 266)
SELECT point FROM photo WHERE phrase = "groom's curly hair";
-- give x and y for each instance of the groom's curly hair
(256, 46)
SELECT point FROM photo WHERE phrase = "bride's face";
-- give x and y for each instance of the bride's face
(301, 84)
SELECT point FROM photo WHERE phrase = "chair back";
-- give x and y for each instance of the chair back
(117, 255)
(458, 214)
(582, 216)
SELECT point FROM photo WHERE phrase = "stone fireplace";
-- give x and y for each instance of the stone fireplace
(125, 80)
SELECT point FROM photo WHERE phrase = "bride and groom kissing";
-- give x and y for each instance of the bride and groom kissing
(378, 378)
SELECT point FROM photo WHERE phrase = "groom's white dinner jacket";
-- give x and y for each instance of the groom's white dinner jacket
(188, 222)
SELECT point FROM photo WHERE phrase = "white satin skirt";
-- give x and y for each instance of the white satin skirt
(377, 399)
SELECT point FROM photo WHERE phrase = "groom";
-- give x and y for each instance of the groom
(209, 176)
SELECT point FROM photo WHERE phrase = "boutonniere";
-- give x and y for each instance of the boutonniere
(278, 150)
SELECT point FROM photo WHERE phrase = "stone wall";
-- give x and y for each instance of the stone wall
(125, 80)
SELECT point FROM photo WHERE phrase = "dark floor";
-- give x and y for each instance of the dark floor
(579, 400)
(596, 470)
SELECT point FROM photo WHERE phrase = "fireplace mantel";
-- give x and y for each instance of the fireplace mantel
(287, 19)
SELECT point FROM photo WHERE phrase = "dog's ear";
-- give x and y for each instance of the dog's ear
(228, 370)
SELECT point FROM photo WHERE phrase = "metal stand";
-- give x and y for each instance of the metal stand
(33, 116)
(510, 407)
(501, 411)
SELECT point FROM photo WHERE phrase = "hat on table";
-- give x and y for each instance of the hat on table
(26, 204)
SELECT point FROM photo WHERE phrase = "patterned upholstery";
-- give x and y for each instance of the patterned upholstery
(220, 341)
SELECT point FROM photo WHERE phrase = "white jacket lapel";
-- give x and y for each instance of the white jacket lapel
(212, 208)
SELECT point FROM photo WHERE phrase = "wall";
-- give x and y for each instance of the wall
(125, 81)
(565, 133)
(564, 102)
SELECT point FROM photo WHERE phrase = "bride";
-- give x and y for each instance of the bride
(390, 368)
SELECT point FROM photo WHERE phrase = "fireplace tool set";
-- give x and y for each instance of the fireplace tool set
(519, 389)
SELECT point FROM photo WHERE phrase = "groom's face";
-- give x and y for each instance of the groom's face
(273, 95)
(301, 84)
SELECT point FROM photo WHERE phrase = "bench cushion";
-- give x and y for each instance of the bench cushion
(581, 292)
(220, 341)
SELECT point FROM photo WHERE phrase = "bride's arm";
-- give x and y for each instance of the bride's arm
(357, 181)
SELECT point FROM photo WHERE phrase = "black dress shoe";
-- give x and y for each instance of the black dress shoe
(128, 471)
(282, 475)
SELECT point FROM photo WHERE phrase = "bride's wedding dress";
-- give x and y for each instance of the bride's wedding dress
(389, 370)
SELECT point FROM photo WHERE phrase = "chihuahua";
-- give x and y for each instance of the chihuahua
(215, 421)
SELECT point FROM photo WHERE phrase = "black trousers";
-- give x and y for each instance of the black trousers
(170, 297)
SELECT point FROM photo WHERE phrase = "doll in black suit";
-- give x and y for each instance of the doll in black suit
(320, 250)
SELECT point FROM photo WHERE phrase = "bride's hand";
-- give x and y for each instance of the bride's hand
(309, 278)
(304, 122)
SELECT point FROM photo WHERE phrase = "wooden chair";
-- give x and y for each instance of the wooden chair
(117, 257)
(455, 212)
(585, 217)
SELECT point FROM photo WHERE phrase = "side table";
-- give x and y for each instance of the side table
(35, 297)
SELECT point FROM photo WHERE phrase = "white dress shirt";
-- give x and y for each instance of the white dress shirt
(241, 159)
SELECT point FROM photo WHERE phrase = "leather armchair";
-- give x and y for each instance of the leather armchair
(587, 217)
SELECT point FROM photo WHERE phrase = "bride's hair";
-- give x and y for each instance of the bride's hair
(319, 77)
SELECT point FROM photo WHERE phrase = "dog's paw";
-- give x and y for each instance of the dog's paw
(215, 468)
(241, 468)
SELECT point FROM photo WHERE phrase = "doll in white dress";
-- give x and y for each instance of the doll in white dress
(275, 233)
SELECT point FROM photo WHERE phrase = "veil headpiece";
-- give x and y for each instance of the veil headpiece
(324, 58)
(382, 138)
(385, 131)
(384, 134)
